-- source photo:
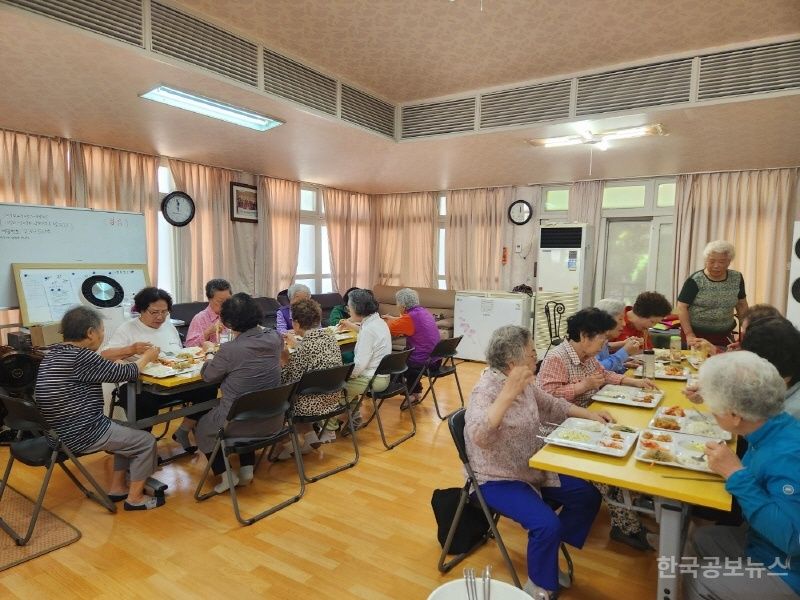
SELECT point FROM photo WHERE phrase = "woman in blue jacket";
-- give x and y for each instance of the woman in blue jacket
(746, 396)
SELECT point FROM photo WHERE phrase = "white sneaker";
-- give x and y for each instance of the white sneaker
(245, 475)
(534, 591)
(327, 436)
(223, 485)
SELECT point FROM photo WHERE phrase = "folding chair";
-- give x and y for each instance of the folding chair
(325, 381)
(444, 351)
(553, 312)
(256, 406)
(24, 417)
(456, 423)
(394, 365)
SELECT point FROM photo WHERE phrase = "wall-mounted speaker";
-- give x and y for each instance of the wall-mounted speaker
(793, 301)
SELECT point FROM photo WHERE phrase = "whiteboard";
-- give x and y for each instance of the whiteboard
(47, 291)
(478, 314)
(32, 233)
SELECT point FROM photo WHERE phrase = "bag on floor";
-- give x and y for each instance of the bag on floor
(471, 527)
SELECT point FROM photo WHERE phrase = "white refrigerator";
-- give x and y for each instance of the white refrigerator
(478, 314)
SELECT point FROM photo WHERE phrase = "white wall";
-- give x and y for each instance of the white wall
(525, 238)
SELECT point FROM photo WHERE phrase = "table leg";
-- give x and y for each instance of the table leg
(670, 546)
(130, 390)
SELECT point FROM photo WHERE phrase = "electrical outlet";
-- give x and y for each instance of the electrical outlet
(517, 248)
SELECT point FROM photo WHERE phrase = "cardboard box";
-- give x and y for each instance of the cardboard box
(46, 334)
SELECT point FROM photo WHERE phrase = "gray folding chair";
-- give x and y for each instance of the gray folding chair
(441, 364)
(257, 406)
(24, 417)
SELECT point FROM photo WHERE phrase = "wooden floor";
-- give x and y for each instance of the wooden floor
(368, 532)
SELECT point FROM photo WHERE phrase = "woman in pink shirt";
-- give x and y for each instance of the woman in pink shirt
(205, 325)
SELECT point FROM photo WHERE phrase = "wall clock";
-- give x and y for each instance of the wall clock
(520, 212)
(178, 208)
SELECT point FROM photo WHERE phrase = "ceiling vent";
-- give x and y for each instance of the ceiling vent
(290, 79)
(367, 111)
(184, 37)
(636, 87)
(750, 71)
(438, 118)
(119, 19)
(525, 105)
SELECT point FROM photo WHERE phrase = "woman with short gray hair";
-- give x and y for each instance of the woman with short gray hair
(418, 326)
(504, 419)
(70, 395)
(710, 297)
(296, 292)
(745, 393)
(613, 356)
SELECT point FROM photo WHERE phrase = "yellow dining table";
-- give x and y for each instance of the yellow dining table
(672, 497)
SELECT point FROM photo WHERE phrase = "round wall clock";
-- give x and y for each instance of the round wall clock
(520, 212)
(178, 208)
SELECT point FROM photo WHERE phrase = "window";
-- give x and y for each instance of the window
(440, 244)
(556, 199)
(637, 239)
(314, 258)
(167, 269)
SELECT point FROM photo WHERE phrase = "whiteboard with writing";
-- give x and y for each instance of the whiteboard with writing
(31, 233)
(47, 291)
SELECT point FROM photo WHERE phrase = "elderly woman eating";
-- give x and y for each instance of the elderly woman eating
(648, 309)
(710, 297)
(615, 359)
(205, 327)
(313, 349)
(506, 414)
(69, 394)
(745, 394)
(295, 293)
(422, 334)
(248, 363)
(571, 371)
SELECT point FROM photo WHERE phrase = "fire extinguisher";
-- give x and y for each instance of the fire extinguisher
(504, 260)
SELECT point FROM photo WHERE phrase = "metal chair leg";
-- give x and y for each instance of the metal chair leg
(348, 465)
(443, 566)
(387, 445)
(496, 535)
(99, 494)
(22, 540)
(197, 495)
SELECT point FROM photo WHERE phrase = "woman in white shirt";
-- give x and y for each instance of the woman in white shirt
(373, 343)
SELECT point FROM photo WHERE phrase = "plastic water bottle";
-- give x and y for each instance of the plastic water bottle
(675, 349)
(649, 366)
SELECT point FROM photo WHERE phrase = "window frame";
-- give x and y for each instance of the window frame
(441, 277)
(554, 215)
(316, 218)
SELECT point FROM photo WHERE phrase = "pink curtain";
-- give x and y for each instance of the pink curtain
(34, 170)
(347, 215)
(586, 206)
(753, 210)
(474, 237)
(278, 235)
(404, 226)
(108, 179)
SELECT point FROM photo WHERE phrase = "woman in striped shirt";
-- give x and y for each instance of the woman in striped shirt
(69, 394)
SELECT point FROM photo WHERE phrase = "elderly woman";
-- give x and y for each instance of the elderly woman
(506, 415)
(754, 314)
(571, 371)
(340, 311)
(709, 298)
(295, 293)
(248, 363)
(69, 394)
(609, 359)
(373, 343)
(778, 341)
(422, 334)
(649, 309)
(153, 328)
(205, 326)
(745, 394)
(316, 349)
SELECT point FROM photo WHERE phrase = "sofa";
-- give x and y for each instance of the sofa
(439, 303)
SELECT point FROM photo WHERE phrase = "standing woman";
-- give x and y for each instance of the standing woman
(248, 363)
(710, 298)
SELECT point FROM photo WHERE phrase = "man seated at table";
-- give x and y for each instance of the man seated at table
(649, 309)
(69, 394)
(746, 396)
(295, 292)
(153, 328)
(421, 332)
(205, 326)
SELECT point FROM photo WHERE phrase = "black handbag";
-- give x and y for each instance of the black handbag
(472, 526)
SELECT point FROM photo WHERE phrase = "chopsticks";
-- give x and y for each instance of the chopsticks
(693, 478)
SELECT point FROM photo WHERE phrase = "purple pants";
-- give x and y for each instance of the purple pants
(579, 501)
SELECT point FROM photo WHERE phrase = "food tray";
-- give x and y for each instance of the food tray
(662, 373)
(692, 423)
(695, 361)
(628, 395)
(678, 451)
(160, 371)
(588, 435)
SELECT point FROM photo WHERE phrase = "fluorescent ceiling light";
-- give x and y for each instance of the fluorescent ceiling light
(211, 108)
(599, 140)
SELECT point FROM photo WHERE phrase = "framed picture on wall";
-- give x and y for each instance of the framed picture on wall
(244, 202)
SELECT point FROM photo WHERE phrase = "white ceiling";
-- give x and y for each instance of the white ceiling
(59, 80)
